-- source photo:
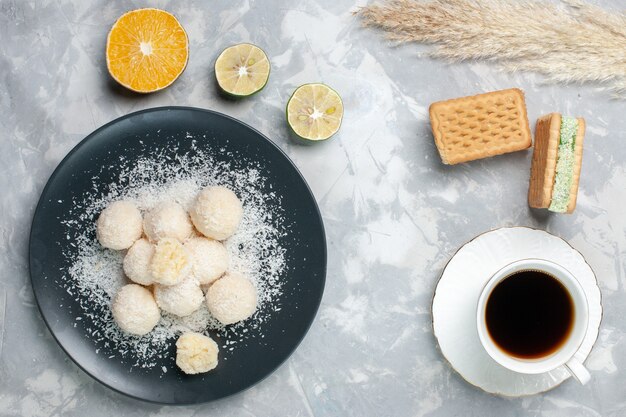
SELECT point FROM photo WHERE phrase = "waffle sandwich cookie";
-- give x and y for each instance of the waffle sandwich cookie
(556, 163)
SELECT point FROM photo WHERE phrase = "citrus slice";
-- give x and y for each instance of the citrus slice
(314, 111)
(147, 50)
(242, 70)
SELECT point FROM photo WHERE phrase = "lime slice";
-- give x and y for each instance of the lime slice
(314, 111)
(242, 70)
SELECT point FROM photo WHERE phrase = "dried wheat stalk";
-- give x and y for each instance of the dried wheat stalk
(569, 42)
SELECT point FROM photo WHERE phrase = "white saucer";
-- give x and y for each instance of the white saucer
(456, 297)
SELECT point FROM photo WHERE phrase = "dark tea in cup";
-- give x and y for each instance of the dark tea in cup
(529, 314)
(532, 317)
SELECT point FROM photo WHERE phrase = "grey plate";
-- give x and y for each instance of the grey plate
(136, 135)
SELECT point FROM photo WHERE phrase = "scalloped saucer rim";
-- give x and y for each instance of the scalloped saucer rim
(455, 297)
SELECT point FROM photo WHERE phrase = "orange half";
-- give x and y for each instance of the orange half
(147, 50)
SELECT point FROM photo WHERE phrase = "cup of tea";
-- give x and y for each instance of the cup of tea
(532, 317)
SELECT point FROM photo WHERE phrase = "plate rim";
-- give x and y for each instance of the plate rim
(75, 149)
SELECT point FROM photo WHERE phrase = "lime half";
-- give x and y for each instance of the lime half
(314, 111)
(242, 70)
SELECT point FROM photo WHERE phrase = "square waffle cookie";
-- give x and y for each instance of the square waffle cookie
(480, 126)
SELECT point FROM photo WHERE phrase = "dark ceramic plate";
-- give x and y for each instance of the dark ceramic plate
(132, 137)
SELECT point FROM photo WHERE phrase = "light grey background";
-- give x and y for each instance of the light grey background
(393, 214)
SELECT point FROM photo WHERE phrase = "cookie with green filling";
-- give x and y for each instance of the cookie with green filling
(556, 163)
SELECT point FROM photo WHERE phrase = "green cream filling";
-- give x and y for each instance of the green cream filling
(564, 165)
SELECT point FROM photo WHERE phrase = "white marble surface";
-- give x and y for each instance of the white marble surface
(393, 214)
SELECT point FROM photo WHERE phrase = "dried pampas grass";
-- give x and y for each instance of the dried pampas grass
(569, 42)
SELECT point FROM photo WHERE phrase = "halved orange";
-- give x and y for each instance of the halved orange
(147, 50)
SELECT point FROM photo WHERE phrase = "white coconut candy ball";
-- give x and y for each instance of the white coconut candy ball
(119, 225)
(180, 299)
(167, 219)
(216, 213)
(134, 310)
(232, 298)
(170, 263)
(196, 353)
(137, 262)
(209, 259)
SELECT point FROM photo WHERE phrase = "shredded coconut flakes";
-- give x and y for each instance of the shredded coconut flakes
(96, 273)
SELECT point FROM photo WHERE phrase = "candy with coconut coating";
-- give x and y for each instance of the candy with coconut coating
(196, 353)
(216, 213)
(137, 262)
(232, 298)
(180, 299)
(119, 225)
(209, 259)
(167, 220)
(170, 263)
(134, 310)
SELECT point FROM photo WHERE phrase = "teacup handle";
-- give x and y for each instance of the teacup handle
(578, 370)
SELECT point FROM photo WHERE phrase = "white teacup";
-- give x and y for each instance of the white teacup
(564, 355)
